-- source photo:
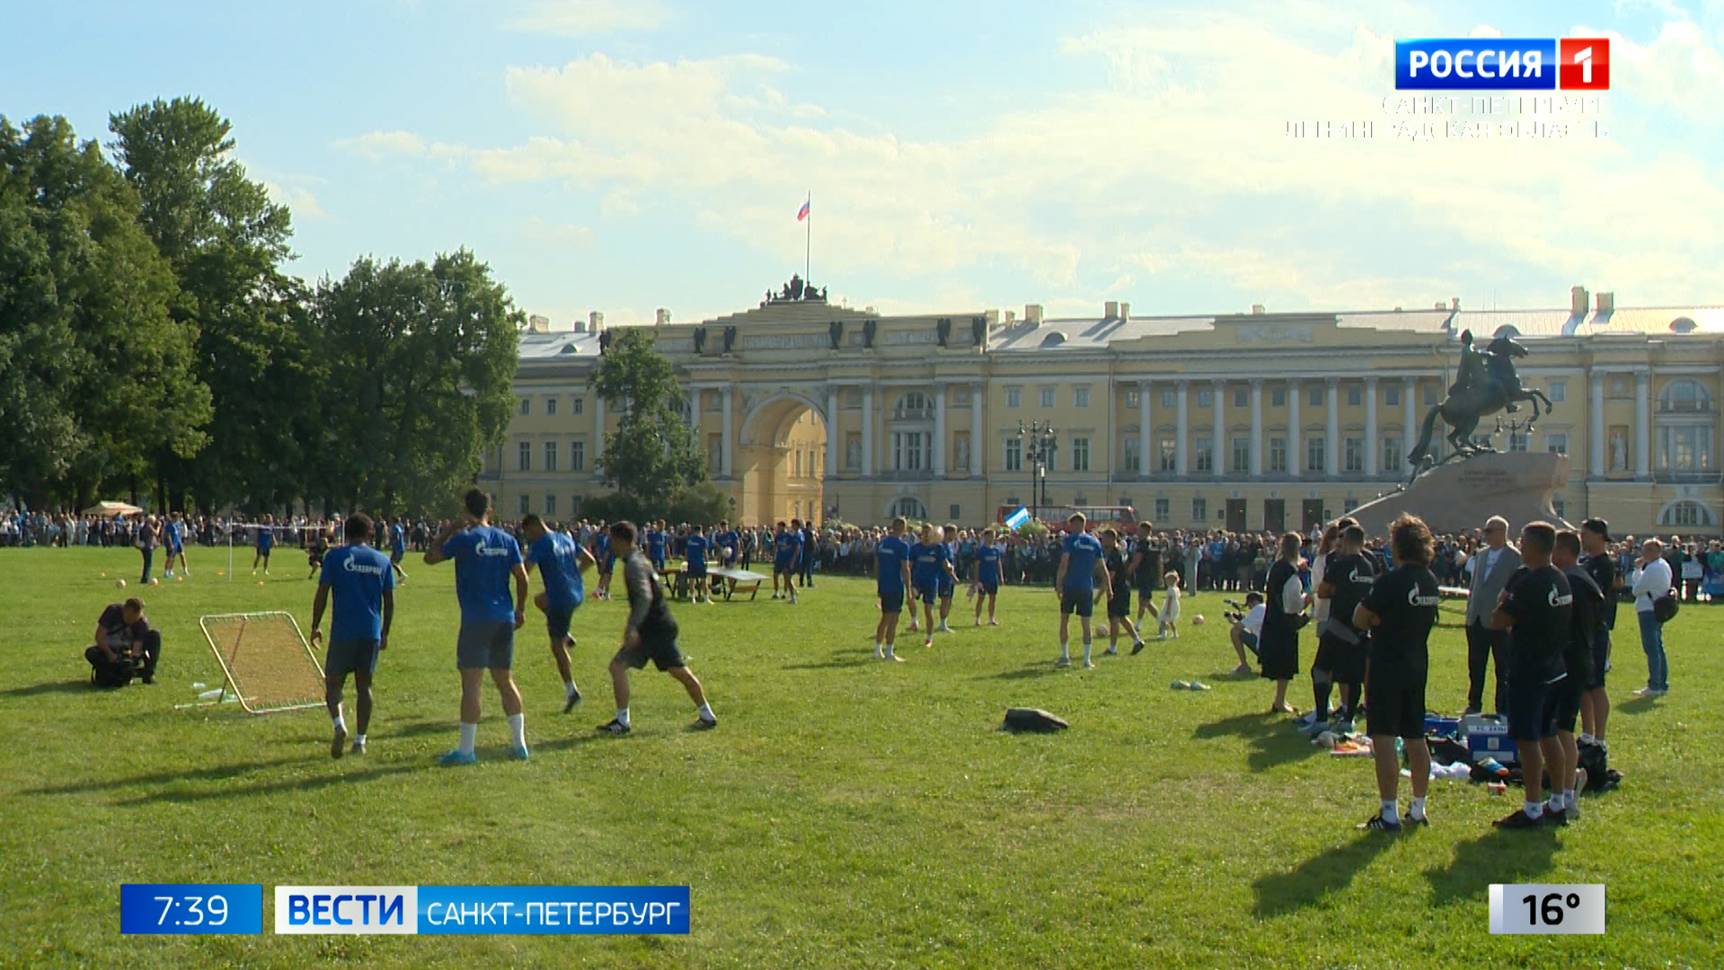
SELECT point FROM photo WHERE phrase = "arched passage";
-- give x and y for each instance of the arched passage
(781, 460)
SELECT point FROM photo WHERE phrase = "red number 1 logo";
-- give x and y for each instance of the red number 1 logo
(1584, 64)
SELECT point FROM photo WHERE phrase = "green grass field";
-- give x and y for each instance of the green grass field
(845, 814)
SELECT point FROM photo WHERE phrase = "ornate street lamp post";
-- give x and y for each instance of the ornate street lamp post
(1040, 443)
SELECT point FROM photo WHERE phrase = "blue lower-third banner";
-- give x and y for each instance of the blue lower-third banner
(482, 909)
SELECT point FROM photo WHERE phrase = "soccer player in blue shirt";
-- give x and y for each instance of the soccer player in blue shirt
(931, 566)
(987, 576)
(265, 542)
(486, 559)
(948, 580)
(656, 540)
(602, 555)
(176, 542)
(1080, 558)
(694, 550)
(892, 562)
(364, 588)
(398, 550)
(787, 553)
(728, 543)
(560, 562)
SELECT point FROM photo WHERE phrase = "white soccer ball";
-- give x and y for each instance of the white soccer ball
(1197, 620)
(119, 584)
(154, 581)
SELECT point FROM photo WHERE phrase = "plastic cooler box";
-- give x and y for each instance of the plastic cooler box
(1487, 736)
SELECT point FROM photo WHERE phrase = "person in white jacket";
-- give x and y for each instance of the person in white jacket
(1652, 581)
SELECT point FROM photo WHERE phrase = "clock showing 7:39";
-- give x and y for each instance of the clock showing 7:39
(191, 908)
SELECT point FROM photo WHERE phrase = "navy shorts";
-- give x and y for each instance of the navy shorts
(1079, 601)
(659, 646)
(1600, 660)
(1119, 607)
(892, 602)
(1397, 711)
(782, 567)
(557, 620)
(485, 645)
(695, 570)
(351, 657)
(1532, 711)
(990, 587)
(926, 594)
(946, 587)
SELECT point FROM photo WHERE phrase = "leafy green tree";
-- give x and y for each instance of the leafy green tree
(225, 241)
(96, 377)
(653, 453)
(420, 360)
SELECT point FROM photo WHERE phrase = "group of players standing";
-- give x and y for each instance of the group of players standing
(491, 585)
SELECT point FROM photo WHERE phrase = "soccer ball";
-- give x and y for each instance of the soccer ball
(179, 579)
(119, 584)
(154, 581)
(1197, 620)
(104, 574)
(221, 572)
(260, 582)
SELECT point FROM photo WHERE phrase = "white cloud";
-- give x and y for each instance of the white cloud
(297, 197)
(557, 235)
(381, 144)
(579, 18)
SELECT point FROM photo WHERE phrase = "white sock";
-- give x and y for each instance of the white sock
(1568, 798)
(359, 739)
(889, 647)
(568, 688)
(339, 722)
(469, 737)
(1086, 651)
(1065, 650)
(1533, 809)
(1389, 812)
(879, 648)
(518, 729)
(706, 714)
(1416, 809)
(623, 716)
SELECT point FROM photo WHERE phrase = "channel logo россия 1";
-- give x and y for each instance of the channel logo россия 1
(1503, 64)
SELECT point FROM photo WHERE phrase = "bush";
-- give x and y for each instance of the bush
(700, 503)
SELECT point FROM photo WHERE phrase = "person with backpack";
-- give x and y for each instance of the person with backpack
(1652, 584)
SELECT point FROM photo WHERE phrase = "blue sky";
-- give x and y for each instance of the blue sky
(623, 155)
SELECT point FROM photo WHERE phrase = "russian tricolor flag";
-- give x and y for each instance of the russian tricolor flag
(802, 213)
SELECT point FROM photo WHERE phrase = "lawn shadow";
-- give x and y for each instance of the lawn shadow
(53, 687)
(1327, 872)
(294, 784)
(839, 659)
(1038, 669)
(1271, 742)
(1638, 705)
(1500, 855)
(211, 773)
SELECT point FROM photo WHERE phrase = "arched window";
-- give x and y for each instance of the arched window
(914, 406)
(910, 507)
(1684, 396)
(1686, 514)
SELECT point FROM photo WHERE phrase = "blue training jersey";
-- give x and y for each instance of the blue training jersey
(1083, 550)
(694, 550)
(265, 537)
(655, 545)
(485, 556)
(357, 576)
(559, 561)
(789, 544)
(890, 556)
(988, 563)
(928, 562)
(397, 538)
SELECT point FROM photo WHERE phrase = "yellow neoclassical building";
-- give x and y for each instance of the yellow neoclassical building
(1252, 420)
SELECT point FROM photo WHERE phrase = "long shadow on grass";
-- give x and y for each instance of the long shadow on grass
(839, 659)
(294, 784)
(1639, 705)
(210, 773)
(1038, 669)
(51, 687)
(1499, 855)
(1271, 742)
(1317, 877)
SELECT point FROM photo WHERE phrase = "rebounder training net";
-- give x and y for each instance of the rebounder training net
(268, 664)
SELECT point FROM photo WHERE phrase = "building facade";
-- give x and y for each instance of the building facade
(1257, 420)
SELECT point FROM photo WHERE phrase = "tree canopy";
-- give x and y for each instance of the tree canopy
(653, 453)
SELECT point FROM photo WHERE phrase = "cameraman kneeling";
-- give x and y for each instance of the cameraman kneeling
(125, 646)
(1246, 626)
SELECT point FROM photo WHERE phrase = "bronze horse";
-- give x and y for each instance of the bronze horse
(1463, 409)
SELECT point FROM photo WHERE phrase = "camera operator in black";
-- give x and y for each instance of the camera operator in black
(125, 646)
(1342, 648)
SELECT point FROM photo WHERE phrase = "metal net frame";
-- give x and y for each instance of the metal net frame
(266, 660)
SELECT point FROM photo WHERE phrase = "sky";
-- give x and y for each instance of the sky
(625, 155)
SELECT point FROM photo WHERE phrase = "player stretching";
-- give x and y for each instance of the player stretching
(892, 579)
(265, 542)
(176, 537)
(787, 553)
(650, 634)
(486, 558)
(1075, 586)
(397, 550)
(987, 576)
(560, 561)
(364, 588)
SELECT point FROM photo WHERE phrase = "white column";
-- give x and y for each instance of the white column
(1643, 424)
(1332, 455)
(1218, 433)
(976, 404)
(598, 429)
(1371, 427)
(939, 430)
(1181, 456)
(1409, 418)
(1144, 436)
(1257, 427)
(834, 440)
(725, 445)
(868, 431)
(1295, 449)
(1595, 427)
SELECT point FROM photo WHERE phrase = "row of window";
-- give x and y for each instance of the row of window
(577, 405)
(577, 457)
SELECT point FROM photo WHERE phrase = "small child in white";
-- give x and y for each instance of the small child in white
(1169, 625)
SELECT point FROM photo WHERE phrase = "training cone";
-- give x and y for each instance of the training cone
(1197, 620)
(260, 582)
(104, 574)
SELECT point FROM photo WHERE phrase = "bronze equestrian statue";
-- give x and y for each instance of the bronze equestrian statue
(1485, 383)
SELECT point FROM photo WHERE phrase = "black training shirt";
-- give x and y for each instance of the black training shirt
(1541, 604)
(1405, 601)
